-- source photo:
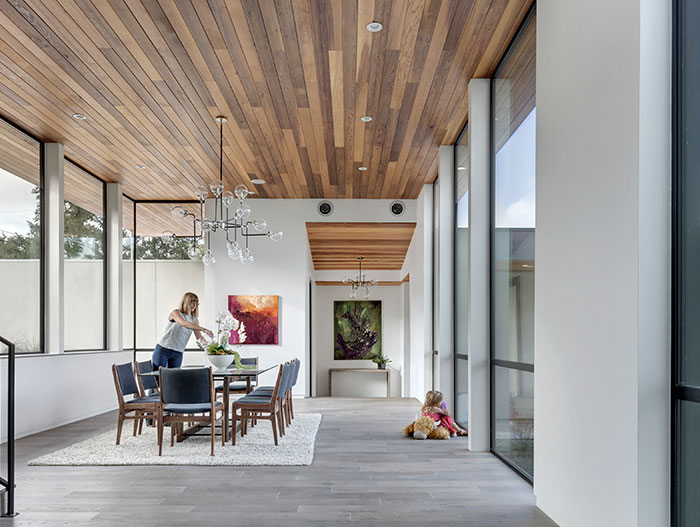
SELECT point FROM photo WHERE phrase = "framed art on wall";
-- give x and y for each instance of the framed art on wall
(357, 326)
(260, 314)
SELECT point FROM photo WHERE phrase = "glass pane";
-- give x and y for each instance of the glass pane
(513, 235)
(83, 254)
(461, 392)
(514, 416)
(689, 192)
(164, 271)
(688, 476)
(128, 239)
(20, 240)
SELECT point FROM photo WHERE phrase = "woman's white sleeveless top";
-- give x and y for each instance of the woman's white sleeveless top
(175, 336)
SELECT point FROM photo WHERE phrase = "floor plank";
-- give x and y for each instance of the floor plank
(364, 473)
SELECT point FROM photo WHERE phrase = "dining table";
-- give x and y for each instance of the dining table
(227, 376)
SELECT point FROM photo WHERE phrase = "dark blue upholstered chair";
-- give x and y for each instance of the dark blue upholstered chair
(240, 385)
(138, 406)
(148, 385)
(286, 393)
(183, 393)
(259, 407)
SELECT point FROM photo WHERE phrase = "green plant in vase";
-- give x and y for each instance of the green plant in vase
(381, 361)
(217, 349)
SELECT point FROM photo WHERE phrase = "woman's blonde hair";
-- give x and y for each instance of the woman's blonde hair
(432, 400)
(185, 304)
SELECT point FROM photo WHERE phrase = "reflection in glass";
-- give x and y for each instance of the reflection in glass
(513, 247)
(461, 275)
(20, 240)
(128, 240)
(164, 270)
(83, 254)
(514, 416)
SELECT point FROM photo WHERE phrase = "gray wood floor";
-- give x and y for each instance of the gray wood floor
(364, 473)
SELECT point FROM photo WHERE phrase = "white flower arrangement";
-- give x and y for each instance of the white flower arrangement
(225, 323)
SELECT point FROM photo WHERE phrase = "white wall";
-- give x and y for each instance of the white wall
(602, 290)
(392, 335)
(419, 264)
(56, 389)
(282, 269)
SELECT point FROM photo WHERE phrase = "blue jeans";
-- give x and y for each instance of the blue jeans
(166, 358)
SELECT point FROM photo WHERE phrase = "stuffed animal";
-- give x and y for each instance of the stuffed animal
(425, 428)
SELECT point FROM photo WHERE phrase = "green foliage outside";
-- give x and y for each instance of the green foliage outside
(84, 239)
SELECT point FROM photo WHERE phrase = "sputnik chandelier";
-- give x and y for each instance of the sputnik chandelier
(359, 281)
(239, 224)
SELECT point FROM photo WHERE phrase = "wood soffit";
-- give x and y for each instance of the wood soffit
(338, 245)
(293, 76)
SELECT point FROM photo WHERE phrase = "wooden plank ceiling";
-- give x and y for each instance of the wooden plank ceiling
(338, 245)
(293, 76)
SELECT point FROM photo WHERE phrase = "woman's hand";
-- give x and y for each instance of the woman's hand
(208, 332)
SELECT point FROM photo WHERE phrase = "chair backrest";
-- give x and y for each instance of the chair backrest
(287, 375)
(185, 385)
(125, 380)
(147, 382)
(278, 383)
(250, 361)
(296, 372)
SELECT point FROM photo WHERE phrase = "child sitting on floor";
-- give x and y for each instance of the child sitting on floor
(436, 409)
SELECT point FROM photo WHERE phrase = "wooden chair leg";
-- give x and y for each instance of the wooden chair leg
(274, 429)
(141, 423)
(291, 404)
(223, 435)
(137, 413)
(234, 421)
(172, 434)
(212, 421)
(280, 420)
(160, 433)
(120, 422)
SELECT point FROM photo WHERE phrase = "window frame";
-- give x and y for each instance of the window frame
(42, 242)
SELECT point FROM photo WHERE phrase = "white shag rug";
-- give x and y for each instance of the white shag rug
(256, 448)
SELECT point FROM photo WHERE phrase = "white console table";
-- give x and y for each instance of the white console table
(331, 371)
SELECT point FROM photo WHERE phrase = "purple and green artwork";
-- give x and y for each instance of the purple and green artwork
(358, 329)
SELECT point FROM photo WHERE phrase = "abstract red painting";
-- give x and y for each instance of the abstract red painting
(260, 315)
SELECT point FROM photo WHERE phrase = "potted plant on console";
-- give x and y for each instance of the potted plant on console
(217, 350)
(381, 361)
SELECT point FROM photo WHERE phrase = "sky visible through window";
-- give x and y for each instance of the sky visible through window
(515, 178)
(17, 205)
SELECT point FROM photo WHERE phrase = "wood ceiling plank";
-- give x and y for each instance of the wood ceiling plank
(294, 76)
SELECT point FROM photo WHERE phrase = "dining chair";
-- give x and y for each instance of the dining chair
(285, 387)
(239, 384)
(126, 385)
(285, 393)
(184, 394)
(256, 406)
(148, 386)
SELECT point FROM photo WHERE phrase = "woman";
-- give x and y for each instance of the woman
(181, 323)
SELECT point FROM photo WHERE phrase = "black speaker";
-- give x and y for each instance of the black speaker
(325, 208)
(397, 208)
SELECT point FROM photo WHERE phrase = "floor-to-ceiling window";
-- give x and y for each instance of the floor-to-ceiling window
(461, 271)
(84, 263)
(686, 255)
(513, 252)
(128, 242)
(20, 240)
(168, 264)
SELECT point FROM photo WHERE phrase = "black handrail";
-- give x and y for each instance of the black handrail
(9, 484)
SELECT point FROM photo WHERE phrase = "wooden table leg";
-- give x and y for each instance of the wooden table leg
(247, 384)
(224, 424)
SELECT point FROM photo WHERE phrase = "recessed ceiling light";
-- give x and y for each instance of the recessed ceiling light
(362, 168)
(79, 116)
(365, 119)
(375, 27)
(461, 168)
(140, 166)
(257, 181)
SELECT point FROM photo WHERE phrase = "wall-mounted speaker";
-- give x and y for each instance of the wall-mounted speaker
(397, 208)
(325, 208)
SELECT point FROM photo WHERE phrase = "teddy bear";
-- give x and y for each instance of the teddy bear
(426, 428)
